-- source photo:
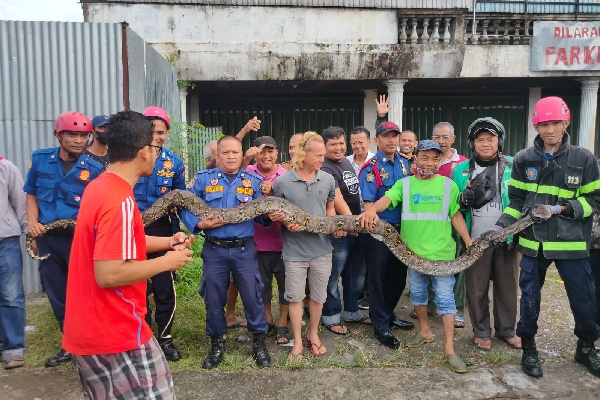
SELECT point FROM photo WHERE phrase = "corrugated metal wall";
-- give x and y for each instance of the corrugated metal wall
(314, 3)
(50, 67)
(152, 79)
(47, 68)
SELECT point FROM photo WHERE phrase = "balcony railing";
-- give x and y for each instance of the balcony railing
(498, 31)
(426, 30)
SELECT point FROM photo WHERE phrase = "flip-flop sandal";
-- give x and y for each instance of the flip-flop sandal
(456, 364)
(507, 341)
(296, 358)
(362, 320)
(459, 322)
(12, 364)
(480, 343)
(330, 326)
(242, 323)
(318, 346)
(283, 333)
(418, 340)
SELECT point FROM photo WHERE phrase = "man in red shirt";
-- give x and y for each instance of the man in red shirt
(105, 331)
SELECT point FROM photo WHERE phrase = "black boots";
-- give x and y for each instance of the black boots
(215, 355)
(586, 355)
(61, 358)
(530, 363)
(261, 354)
(168, 347)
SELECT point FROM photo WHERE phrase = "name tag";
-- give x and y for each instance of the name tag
(214, 189)
(245, 190)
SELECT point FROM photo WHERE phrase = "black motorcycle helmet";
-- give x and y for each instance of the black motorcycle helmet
(488, 124)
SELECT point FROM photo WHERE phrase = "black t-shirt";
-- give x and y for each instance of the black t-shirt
(101, 159)
(346, 180)
(66, 165)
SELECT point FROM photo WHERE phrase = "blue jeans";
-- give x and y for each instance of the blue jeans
(443, 286)
(579, 285)
(346, 262)
(12, 300)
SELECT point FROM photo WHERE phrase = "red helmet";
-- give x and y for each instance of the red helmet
(157, 112)
(73, 121)
(550, 109)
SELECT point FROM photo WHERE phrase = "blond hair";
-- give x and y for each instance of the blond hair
(300, 156)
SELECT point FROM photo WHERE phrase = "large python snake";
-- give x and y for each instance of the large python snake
(179, 199)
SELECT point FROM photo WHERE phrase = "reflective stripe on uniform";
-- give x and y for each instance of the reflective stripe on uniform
(542, 189)
(564, 246)
(587, 209)
(513, 213)
(407, 215)
(530, 244)
(590, 187)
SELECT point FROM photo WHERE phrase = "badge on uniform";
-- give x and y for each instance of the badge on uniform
(214, 189)
(370, 176)
(168, 164)
(531, 173)
(165, 181)
(214, 181)
(246, 183)
(384, 174)
(77, 198)
(84, 175)
(163, 189)
(245, 198)
(248, 191)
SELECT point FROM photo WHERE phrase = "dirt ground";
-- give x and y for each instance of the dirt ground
(361, 368)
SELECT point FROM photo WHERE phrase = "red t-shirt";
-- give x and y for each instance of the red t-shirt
(448, 166)
(109, 227)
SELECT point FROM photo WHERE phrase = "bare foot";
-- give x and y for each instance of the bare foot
(483, 343)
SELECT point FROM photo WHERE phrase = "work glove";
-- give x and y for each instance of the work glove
(467, 198)
(493, 243)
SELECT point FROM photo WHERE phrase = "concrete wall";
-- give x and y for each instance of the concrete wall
(284, 43)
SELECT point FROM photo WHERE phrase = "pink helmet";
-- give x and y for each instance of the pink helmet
(550, 109)
(157, 112)
(73, 121)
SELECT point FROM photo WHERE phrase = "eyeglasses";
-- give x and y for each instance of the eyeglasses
(158, 149)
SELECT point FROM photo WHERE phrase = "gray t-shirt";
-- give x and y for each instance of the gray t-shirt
(485, 218)
(311, 197)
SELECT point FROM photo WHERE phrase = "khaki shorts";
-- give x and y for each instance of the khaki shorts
(316, 270)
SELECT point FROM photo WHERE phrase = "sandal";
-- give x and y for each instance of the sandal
(513, 342)
(296, 358)
(456, 364)
(362, 320)
(12, 364)
(418, 340)
(311, 348)
(483, 343)
(330, 326)
(459, 321)
(283, 337)
(430, 313)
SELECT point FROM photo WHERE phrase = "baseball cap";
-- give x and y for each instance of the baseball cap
(387, 127)
(268, 141)
(157, 112)
(100, 120)
(428, 144)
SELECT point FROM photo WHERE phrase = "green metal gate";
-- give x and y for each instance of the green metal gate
(420, 114)
(281, 117)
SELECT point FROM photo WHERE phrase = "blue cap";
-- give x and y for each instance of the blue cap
(100, 120)
(428, 144)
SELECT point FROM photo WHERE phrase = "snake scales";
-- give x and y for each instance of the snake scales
(179, 199)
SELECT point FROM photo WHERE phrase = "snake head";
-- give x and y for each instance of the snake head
(540, 213)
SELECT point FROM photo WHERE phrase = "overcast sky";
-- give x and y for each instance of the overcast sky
(41, 10)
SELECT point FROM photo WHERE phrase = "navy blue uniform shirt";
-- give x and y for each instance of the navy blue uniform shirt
(59, 195)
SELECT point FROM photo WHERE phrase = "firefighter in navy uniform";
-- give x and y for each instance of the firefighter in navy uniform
(566, 179)
(229, 249)
(55, 183)
(168, 174)
(387, 274)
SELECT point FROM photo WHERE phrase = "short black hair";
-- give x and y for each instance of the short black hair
(361, 129)
(225, 138)
(333, 132)
(127, 133)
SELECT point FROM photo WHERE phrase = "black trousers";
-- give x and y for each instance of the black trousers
(161, 285)
(595, 264)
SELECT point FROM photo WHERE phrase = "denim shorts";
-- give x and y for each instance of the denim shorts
(443, 286)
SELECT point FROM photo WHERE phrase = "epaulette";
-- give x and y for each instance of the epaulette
(170, 153)
(91, 161)
(254, 175)
(49, 150)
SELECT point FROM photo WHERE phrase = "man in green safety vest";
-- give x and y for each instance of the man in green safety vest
(429, 209)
